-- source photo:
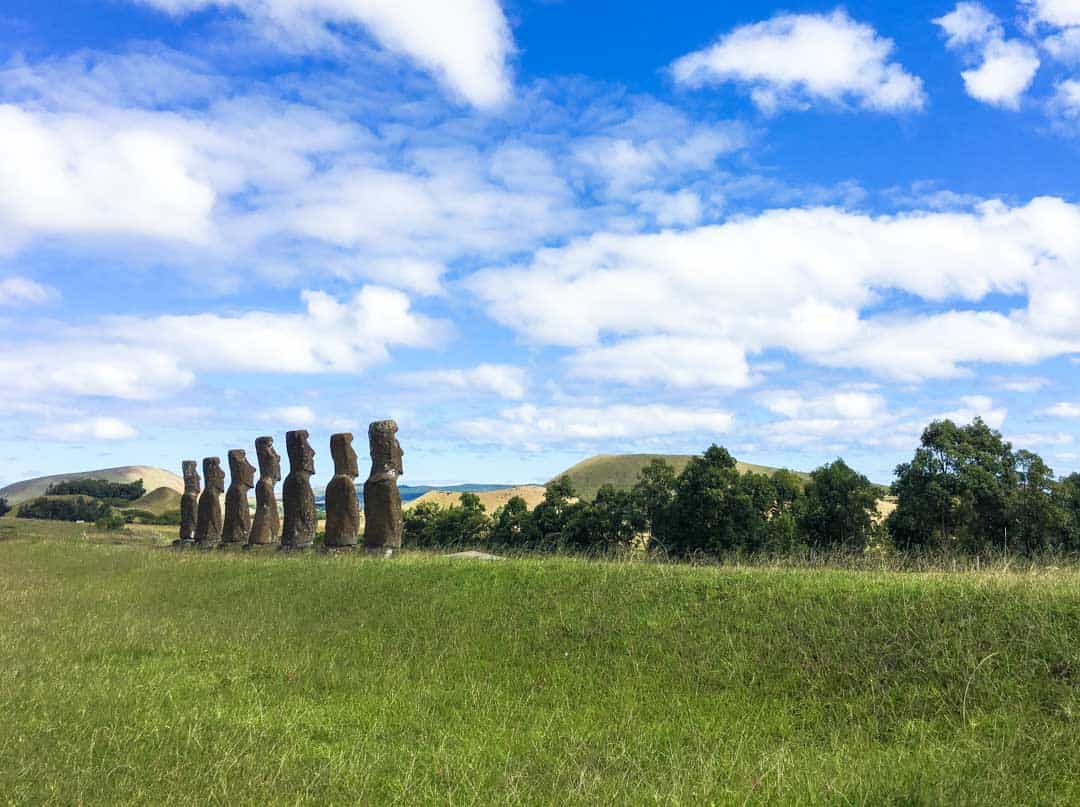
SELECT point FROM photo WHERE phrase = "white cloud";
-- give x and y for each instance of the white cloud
(973, 406)
(503, 380)
(1064, 45)
(329, 336)
(91, 367)
(799, 280)
(1022, 384)
(74, 174)
(466, 43)
(101, 428)
(1058, 13)
(794, 60)
(1006, 66)
(1066, 100)
(677, 361)
(299, 414)
(530, 425)
(1064, 409)
(22, 291)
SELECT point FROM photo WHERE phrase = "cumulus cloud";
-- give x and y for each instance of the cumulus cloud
(795, 60)
(503, 380)
(22, 291)
(91, 366)
(531, 425)
(1066, 101)
(328, 336)
(800, 280)
(101, 428)
(1064, 409)
(1006, 67)
(466, 44)
(976, 406)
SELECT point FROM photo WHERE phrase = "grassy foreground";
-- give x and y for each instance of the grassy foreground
(132, 674)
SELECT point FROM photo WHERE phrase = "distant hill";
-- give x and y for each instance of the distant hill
(152, 478)
(158, 501)
(621, 470)
(491, 499)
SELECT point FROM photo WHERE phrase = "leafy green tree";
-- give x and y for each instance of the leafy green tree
(78, 509)
(418, 520)
(1067, 501)
(837, 508)
(552, 514)
(514, 525)
(98, 489)
(654, 496)
(610, 522)
(956, 490)
(5, 508)
(1037, 519)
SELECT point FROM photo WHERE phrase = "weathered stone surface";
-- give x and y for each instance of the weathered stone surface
(189, 502)
(237, 524)
(383, 522)
(209, 524)
(301, 519)
(342, 506)
(266, 526)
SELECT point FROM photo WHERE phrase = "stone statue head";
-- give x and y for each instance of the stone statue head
(192, 483)
(214, 475)
(269, 459)
(386, 453)
(242, 471)
(301, 454)
(344, 455)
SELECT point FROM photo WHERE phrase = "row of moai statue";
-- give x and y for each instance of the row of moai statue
(202, 522)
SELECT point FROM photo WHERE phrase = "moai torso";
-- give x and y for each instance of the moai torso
(209, 524)
(301, 518)
(342, 506)
(237, 523)
(383, 521)
(266, 526)
(189, 502)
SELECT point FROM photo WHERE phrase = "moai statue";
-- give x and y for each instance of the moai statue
(383, 522)
(342, 506)
(189, 502)
(266, 526)
(301, 519)
(237, 515)
(208, 526)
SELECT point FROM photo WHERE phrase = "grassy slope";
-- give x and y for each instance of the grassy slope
(136, 675)
(490, 499)
(158, 501)
(152, 478)
(621, 470)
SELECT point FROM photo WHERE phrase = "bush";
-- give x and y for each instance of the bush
(111, 520)
(5, 508)
(78, 509)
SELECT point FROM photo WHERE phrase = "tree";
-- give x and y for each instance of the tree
(837, 508)
(956, 489)
(551, 515)
(418, 520)
(654, 496)
(1037, 520)
(5, 508)
(610, 522)
(514, 525)
(1067, 501)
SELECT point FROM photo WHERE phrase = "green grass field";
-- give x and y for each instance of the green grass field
(136, 674)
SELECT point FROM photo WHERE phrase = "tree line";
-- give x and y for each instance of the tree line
(98, 489)
(965, 490)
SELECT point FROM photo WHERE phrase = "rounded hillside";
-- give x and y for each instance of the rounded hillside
(621, 470)
(153, 478)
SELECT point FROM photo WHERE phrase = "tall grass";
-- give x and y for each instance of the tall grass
(130, 674)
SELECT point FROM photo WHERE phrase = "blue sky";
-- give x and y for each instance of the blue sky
(535, 231)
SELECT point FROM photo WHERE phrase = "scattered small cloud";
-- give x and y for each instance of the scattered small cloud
(101, 428)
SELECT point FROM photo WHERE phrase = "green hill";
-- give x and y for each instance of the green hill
(152, 478)
(158, 501)
(621, 470)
